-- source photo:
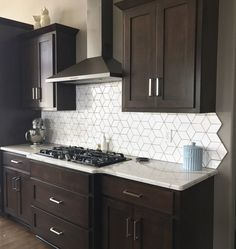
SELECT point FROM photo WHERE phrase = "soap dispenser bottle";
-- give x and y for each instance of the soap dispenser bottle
(104, 143)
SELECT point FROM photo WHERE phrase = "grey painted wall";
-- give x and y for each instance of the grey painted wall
(224, 182)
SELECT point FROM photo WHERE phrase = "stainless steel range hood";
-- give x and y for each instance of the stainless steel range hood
(100, 66)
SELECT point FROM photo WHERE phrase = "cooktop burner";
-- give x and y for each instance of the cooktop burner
(81, 155)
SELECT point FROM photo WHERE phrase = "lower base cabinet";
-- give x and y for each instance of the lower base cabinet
(116, 225)
(62, 206)
(152, 230)
(17, 187)
(17, 194)
(173, 220)
(25, 198)
(10, 192)
(70, 209)
(127, 227)
(58, 232)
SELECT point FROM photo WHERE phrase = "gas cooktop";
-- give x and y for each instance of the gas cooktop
(81, 155)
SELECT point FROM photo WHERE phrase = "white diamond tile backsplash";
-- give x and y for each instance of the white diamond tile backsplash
(159, 136)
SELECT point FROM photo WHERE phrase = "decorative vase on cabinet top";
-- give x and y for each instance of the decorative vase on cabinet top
(37, 24)
(45, 19)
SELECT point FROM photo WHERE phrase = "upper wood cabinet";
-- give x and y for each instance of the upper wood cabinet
(45, 52)
(170, 55)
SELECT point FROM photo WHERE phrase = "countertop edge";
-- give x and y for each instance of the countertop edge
(189, 185)
(159, 183)
(7, 149)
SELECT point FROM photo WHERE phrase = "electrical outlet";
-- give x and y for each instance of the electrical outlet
(169, 134)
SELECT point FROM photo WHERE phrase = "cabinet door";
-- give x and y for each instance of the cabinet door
(176, 38)
(139, 62)
(30, 72)
(117, 229)
(38, 64)
(152, 230)
(46, 47)
(10, 192)
(25, 193)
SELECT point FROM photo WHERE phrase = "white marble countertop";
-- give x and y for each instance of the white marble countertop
(25, 149)
(158, 173)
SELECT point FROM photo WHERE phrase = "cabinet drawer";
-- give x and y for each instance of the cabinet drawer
(70, 206)
(138, 193)
(15, 161)
(69, 179)
(58, 232)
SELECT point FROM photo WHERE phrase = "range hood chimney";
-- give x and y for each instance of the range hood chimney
(100, 66)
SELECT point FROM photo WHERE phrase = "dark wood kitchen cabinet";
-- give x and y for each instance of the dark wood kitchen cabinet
(15, 121)
(144, 228)
(152, 230)
(116, 216)
(141, 216)
(170, 55)
(17, 187)
(46, 51)
(63, 206)
(11, 200)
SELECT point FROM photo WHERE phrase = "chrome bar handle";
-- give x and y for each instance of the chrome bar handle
(17, 180)
(38, 93)
(128, 234)
(150, 87)
(136, 236)
(53, 230)
(33, 93)
(13, 183)
(52, 199)
(157, 87)
(126, 192)
(16, 161)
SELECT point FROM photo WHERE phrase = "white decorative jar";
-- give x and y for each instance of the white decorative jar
(45, 19)
(37, 24)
